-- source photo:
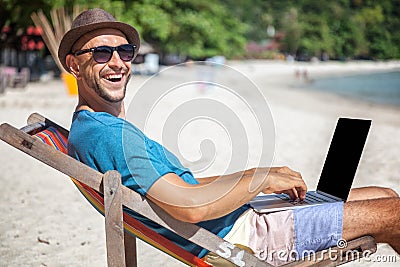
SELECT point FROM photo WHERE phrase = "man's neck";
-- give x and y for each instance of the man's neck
(115, 109)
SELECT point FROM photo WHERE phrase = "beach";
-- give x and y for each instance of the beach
(45, 221)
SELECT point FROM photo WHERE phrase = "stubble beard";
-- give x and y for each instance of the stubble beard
(103, 92)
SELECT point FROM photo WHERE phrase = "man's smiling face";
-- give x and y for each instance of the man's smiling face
(108, 80)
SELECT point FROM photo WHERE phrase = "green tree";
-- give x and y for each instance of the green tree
(253, 14)
(342, 28)
(292, 29)
(197, 29)
(380, 34)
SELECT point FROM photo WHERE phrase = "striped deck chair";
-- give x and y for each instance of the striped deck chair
(41, 135)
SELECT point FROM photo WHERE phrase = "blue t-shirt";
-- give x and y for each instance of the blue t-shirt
(105, 142)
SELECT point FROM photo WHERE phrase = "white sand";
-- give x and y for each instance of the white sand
(39, 203)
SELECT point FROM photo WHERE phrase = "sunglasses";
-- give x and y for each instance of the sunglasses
(103, 54)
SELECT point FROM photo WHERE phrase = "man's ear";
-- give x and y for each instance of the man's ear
(72, 65)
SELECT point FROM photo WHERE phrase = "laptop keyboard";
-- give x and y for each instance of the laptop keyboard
(311, 198)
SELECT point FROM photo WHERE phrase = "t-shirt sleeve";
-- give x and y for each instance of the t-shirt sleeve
(145, 160)
(141, 161)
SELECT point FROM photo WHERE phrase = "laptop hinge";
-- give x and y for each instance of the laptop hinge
(330, 196)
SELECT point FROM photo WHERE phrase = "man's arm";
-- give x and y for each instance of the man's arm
(220, 195)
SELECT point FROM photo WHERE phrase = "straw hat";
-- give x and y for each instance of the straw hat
(94, 19)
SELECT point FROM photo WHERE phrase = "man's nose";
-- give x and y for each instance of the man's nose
(115, 60)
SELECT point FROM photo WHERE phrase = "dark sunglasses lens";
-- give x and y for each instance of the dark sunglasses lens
(102, 54)
(126, 52)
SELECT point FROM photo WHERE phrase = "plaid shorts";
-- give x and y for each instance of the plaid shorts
(280, 237)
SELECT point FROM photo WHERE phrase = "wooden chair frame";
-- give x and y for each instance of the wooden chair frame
(117, 195)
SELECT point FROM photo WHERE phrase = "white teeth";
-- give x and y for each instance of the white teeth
(113, 76)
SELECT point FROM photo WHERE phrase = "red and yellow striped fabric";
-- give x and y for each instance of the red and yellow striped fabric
(55, 139)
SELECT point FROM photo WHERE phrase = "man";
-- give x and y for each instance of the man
(98, 51)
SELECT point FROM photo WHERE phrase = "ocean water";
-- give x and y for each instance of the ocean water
(382, 88)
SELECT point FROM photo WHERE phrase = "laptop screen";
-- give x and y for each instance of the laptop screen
(343, 157)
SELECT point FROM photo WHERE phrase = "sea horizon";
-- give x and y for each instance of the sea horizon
(378, 87)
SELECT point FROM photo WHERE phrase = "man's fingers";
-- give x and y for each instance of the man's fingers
(299, 189)
(290, 194)
(301, 192)
(292, 185)
(295, 195)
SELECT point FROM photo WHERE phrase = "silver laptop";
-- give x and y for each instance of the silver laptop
(337, 174)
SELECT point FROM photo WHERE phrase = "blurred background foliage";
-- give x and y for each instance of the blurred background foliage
(325, 29)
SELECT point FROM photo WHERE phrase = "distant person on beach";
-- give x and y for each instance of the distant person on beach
(98, 51)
